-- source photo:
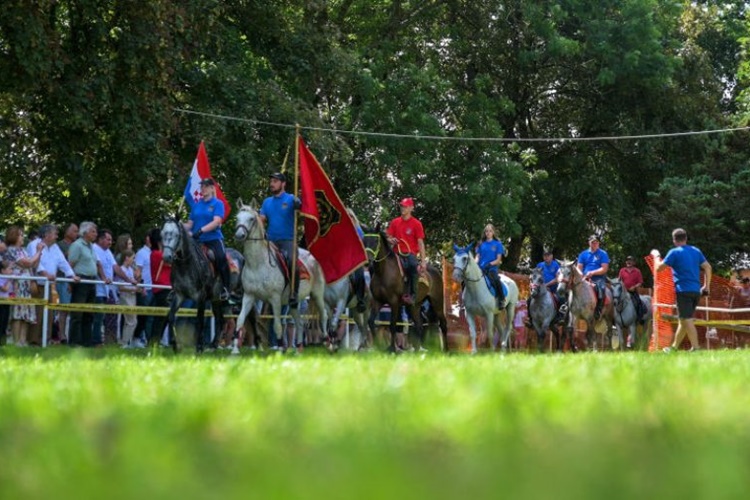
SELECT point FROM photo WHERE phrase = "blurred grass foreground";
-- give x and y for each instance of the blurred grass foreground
(119, 425)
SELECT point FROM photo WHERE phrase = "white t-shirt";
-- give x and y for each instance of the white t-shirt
(143, 261)
(108, 264)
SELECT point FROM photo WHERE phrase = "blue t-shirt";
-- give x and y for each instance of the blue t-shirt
(487, 251)
(279, 212)
(549, 272)
(592, 261)
(685, 262)
(202, 212)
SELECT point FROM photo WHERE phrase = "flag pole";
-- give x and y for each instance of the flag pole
(296, 190)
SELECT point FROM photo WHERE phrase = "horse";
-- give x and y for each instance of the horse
(192, 278)
(264, 279)
(542, 310)
(624, 311)
(387, 287)
(582, 302)
(479, 301)
(339, 296)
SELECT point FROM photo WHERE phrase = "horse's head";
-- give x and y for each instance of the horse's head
(249, 225)
(461, 261)
(618, 293)
(536, 282)
(567, 276)
(171, 237)
(376, 244)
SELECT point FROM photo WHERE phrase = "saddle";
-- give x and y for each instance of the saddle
(304, 273)
(423, 277)
(492, 288)
(211, 257)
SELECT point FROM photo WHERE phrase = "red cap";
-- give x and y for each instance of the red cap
(406, 202)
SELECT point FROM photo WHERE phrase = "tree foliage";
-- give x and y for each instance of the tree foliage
(103, 103)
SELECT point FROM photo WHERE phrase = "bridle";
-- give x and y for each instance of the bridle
(376, 251)
(248, 229)
(463, 270)
(175, 254)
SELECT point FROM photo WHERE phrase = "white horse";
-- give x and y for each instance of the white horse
(479, 301)
(263, 278)
(339, 296)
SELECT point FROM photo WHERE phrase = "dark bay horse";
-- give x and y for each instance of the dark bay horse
(192, 278)
(387, 287)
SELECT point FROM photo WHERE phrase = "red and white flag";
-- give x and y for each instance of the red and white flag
(329, 231)
(202, 170)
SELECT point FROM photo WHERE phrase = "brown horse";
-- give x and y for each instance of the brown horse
(387, 286)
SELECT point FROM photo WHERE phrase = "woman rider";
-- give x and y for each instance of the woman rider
(490, 253)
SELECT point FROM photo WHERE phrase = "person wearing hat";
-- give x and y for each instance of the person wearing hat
(277, 212)
(632, 279)
(549, 267)
(206, 217)
(490, 253)
(593, 263)
(406, 234)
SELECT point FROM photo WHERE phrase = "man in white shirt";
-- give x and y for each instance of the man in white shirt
(51, 261)
(106, 268)
(146, 295)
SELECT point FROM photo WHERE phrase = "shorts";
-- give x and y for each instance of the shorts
(686, 304)
(63, 291)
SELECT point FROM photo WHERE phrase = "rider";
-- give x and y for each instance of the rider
(490, 253)
(407, 234)
(549, 267)
(206, 216)
(632, 279)
(277, 211)
(593, 263)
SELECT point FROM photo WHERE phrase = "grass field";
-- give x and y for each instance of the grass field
(77, 424)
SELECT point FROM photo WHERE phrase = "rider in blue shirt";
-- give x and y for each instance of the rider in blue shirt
(277, 211)
(206, 217)
(549, 267)
(490, 253)
(594, 264)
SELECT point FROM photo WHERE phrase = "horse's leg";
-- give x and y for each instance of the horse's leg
(216, 308)
(419, 333)
(173, 307)
(199, 326)
(472, 331)
(276, 312)
(247, 305)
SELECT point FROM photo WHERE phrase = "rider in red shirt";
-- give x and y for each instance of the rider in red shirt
(407, 235)
(632, 279)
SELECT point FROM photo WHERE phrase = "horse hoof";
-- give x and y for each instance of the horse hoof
(235, 351)
(473, 352)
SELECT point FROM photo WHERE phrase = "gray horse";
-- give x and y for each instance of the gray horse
(339, 296)
(542, 310)
(624, 311)
(191, 279)
(582, 302)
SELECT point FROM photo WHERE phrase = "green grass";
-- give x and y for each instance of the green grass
(76, 424)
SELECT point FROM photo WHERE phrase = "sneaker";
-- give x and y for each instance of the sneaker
(667, 350)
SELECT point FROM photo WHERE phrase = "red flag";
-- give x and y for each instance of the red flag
(329, 231)
(202, 170)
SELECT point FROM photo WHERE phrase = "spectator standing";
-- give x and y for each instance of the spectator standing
(162, 275)
(51, 263)
(22, 315)
(127, 296)
(105, 294)
(686, 262)
(519, 324)
(6, 291)
(82, 259)
(70, 234)
(145, 297)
